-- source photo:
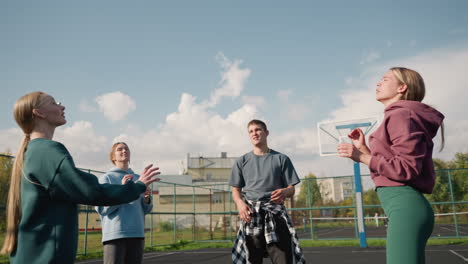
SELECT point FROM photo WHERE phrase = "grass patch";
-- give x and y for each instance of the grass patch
(448, 241)
(378, 242)
(186, 245)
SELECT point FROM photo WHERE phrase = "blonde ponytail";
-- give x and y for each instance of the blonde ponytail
(24, 117)
(442, 135)
(14, 200)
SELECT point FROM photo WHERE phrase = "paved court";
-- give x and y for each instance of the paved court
(452, 254)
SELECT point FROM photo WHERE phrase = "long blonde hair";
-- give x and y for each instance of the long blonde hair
(416, 90)
(23, 113)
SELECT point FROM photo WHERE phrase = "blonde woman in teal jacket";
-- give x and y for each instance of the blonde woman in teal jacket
(46, 188)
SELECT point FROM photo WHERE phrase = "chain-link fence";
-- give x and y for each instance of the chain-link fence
(324, 208)
(207, 213)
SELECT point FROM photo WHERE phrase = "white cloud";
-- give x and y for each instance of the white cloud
(88, 149)
(370, 57)
(232, 80)
(115, 106)
(193, 130)
(81, 137)
(291, 110)
(298, 112)
(10, 140)
(444, 73)
(258, 101)
(301, 142)
(196, 128)
(85, 145)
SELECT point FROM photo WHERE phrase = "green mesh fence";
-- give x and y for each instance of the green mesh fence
(323, 208)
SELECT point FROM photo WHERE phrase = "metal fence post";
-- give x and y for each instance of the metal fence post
(151, 216)
(86, 232)
(151, 228)
(454, 210)
(211, 215)
(309, 204)
(175, 214)
(224, 215)
(230, 214)
(194, 216)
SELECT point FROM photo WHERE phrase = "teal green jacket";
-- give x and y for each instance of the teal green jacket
(51, 189)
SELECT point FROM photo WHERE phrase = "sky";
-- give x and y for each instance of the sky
(178, 77)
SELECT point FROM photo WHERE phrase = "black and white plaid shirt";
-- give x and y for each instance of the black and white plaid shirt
(240, 253)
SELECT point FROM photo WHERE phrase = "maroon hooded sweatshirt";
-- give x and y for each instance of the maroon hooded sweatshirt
(401, 147)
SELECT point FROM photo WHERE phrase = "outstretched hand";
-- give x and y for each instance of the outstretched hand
(147, 177)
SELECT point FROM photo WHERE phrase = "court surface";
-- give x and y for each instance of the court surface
(447, 254)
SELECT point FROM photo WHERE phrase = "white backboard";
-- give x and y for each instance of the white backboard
(331, 133)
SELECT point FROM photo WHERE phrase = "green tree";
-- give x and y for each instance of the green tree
(370, 197)
(309, 194)
(450, 178)
(344, 212)
(440, 164)
(441, 191)
(460, 161)
(459, 177)
(6, 164)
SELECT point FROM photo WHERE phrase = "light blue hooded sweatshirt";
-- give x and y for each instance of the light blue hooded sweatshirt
(125, 220)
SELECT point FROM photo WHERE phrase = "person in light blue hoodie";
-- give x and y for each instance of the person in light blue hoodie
(123, 226)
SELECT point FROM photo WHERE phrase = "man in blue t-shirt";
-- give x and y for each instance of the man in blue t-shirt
(261, 180)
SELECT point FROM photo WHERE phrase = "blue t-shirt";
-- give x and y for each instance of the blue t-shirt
(259, 175)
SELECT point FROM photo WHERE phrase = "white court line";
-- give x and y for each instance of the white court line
(458, 255)
(145, 256)
(157, 255)
(368, 251)
(220, 252)
(451, 229)
(383, 250)
(304, 251)
(447, 228)
(205, 252)
(329, 231)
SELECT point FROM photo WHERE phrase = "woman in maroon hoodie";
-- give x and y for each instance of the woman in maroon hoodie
(400, 162)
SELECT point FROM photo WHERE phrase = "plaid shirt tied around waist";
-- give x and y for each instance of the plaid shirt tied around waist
(255, 227)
